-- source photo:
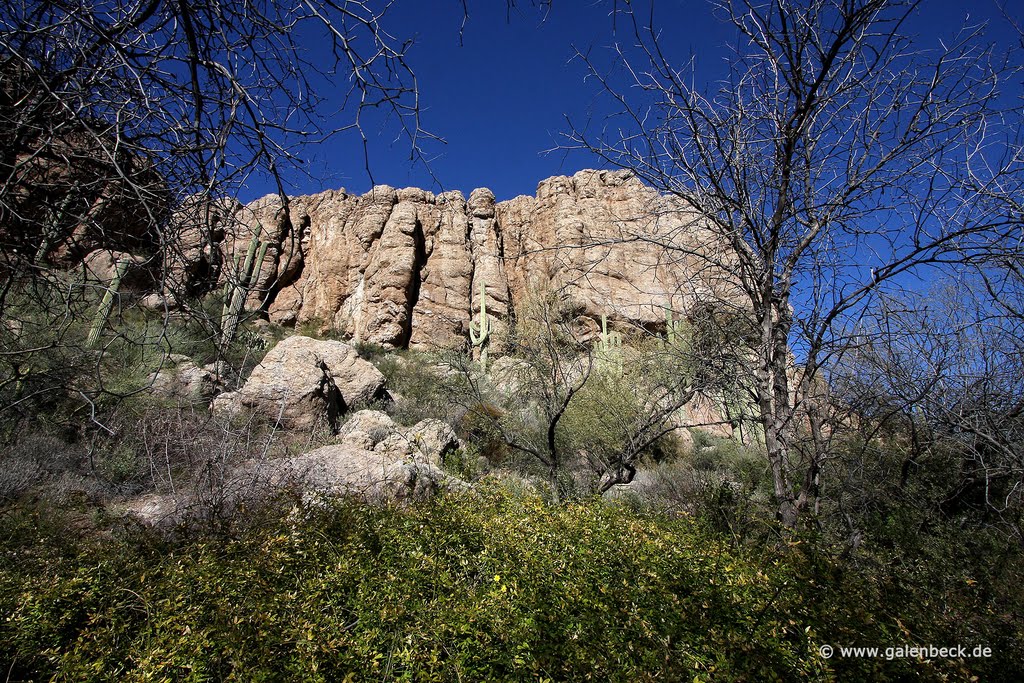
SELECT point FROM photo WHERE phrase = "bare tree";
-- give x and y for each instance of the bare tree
(203, 94)
(938, 380)
(838, 156)
(114, 117)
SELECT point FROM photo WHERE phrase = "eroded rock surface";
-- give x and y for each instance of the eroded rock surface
(183, 380)
(303, 382)
(314, 477)
(405, 267)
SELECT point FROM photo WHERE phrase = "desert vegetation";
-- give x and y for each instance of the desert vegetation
(752, 397)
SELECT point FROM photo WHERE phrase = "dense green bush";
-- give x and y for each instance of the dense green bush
(492, 587)
(485, 587)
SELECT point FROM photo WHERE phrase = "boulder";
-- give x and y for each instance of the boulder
(367, 428)
(315, 477)
(395, 446)
(183, 380)
(432, 440)
(339, 469)
(303, 382)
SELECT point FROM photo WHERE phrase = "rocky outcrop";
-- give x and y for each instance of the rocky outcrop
(429, 441)
(183, 380)
(440, 316)
(100, 267)
(367, 428)
(304, 382)
(433, 440)
(405, 267)
(72, 184)
(590, 237)
(193, 257)
(315, 477)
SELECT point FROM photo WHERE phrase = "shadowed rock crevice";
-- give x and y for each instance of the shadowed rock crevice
(419, 263)
(291, 260)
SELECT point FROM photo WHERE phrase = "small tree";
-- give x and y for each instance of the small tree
(553, 401)
(938, 379)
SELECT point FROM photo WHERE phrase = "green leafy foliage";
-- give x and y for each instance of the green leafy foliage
(492, 587)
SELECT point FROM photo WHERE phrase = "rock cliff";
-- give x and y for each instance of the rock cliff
(405, 267)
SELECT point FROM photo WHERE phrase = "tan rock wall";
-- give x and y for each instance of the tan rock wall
(404, 267)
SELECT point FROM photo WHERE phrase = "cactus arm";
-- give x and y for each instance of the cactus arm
(235, 292)
(675, 330)
(106, 306)
(610, 346)
(480, 333)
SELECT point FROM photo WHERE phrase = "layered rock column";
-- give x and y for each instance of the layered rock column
(440, 316)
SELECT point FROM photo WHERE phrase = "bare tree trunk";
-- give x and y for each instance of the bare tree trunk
(778, 457)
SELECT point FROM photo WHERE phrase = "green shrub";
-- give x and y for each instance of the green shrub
(488, 586)
(743, 464)
(318, 329)
(421, 387)
(479, 425)
(467, 463)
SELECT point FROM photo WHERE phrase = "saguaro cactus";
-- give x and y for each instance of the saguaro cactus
(675, 330)
(237, 288)
(99, 321)
(609, 347)
(480, 333)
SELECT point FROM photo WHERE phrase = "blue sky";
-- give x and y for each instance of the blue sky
(501, 97)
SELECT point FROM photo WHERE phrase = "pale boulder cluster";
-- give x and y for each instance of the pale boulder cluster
(301, 384)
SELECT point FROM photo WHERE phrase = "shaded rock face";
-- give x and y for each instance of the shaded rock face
(100, 267)
(70, 187)
(303, 382)
(193, 258)
(318, 476)
(183, 380)
(405, 267)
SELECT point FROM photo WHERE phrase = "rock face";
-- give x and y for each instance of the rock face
(330, 471)
(303, 382)
(428, 441)
(405, 267)
(183, 380)
(100, 267)
(432, 440)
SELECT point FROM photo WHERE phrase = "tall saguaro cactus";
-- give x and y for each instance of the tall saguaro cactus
(609, 347)
(99, 321)
(675, 330)
(237, 288)
(480, 333)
